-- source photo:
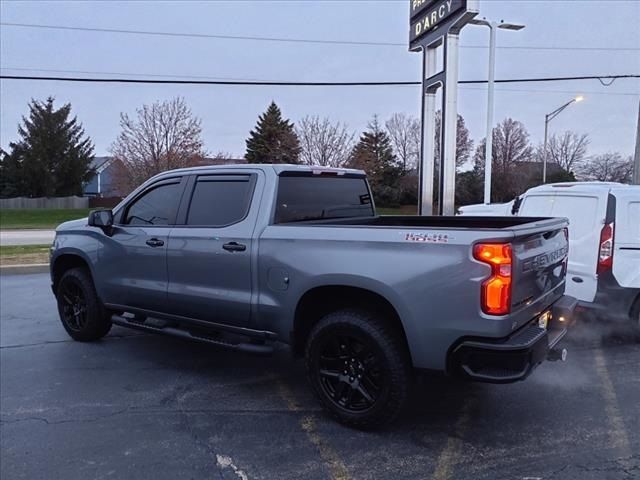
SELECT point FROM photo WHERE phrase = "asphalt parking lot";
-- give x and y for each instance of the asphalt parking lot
(145, 406)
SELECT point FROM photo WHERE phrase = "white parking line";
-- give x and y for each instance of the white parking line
(619, 436)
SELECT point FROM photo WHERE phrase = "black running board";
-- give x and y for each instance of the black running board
(253, 348)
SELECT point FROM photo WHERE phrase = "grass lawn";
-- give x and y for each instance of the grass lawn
(402, 210)
(23, 254)
(38, 217)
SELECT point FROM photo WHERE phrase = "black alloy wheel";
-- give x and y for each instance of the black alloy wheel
(351, 372)
(359, 367)
(81, 311)
(74, 304)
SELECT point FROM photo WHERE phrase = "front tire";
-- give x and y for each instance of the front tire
(358, 367)
(81, 313)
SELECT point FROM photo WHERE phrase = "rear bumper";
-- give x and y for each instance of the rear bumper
(512, 358)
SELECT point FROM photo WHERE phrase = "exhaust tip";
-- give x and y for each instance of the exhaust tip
(557, 355)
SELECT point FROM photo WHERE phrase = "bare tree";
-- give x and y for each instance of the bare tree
(510, 148)
(464, 144)
(163, 136)
(324, 143)
(568, 150)
(608, 167)
(404, 132)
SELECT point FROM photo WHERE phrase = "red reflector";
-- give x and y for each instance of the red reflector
(496, 290)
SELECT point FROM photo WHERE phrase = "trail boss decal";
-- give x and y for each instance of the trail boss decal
(431, 237)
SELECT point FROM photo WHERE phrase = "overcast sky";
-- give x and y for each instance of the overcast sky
(563, 28)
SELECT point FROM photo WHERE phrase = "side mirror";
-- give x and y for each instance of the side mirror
(102, 219)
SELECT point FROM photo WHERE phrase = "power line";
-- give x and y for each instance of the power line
(255, 80)
(93, 72)
(600, 78)
(290, 40)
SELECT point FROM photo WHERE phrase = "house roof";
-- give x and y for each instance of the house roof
(100, 163)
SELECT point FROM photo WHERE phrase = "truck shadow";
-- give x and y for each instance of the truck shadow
(438, 406)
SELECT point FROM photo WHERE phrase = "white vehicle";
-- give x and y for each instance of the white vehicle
(487, 210)
(604, 240)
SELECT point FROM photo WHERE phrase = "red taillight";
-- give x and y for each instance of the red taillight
(605, 254)
(496, 290)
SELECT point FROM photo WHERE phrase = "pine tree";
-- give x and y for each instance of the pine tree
(273, 140)
(374, 154)
(53, 156)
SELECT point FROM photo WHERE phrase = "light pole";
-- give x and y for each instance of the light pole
(492, 72)
(547, 118)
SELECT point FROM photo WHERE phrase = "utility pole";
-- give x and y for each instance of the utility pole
(636, 158)
(488, 154)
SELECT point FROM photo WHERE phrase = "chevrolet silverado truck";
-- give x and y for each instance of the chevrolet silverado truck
(248, 256)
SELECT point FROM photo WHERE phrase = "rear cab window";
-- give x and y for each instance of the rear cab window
(306, 196)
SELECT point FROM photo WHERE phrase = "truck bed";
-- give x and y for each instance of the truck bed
(481, 223)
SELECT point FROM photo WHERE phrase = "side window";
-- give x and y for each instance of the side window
(220, 201)
(536, 206)
(157, 206)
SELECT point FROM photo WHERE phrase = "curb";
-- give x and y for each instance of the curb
(24, 269)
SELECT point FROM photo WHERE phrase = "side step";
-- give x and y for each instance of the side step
(253, 348)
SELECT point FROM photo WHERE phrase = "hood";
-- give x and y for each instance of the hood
(72, 224)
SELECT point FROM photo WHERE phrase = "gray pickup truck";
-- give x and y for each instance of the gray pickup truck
(249, 255)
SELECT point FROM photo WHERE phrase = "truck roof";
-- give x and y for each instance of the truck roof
(277, 167)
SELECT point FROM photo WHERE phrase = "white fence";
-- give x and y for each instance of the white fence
(45, 202)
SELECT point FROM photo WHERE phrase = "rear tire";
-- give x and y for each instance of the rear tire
(81, 313)
(359, 368)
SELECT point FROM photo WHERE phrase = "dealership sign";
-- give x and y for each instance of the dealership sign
(434, 26)
(427, 15)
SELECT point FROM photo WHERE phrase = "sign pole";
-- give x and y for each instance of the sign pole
(488, 152)
(434, 24)
(446, 202)
(636, 158)
(427, 140)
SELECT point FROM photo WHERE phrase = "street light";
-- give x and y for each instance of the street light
(547, 118)
(492, 70)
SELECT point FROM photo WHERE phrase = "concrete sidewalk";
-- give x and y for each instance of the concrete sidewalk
(26, 237)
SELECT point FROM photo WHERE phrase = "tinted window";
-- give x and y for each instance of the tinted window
(155, 207)
(315, 197)
(219, 202)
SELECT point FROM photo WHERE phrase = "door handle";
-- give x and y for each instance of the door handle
(154, 242)
(234, 247)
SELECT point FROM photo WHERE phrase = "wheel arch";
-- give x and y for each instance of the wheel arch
(65, 261)
(318, 301)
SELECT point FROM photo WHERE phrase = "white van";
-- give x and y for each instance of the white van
(604, 241)
(487, 210)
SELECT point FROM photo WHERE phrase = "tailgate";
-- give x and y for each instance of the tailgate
(539, 264)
